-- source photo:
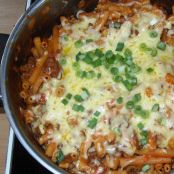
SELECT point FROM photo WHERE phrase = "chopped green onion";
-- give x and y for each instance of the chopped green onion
(111, 60)
(99, 53)
(153, 34)
(62, 61)
(149, 70)
(143, 141)
(114, 70)
(140, 126)
(84, 89)
(135, 68)
(80, 56)
(78, 44)
(117, 78)
(154, 52)
(78, 98)
(161, 46)
(81, 74)
(155, 107)
(88, 59)
(144, 133)
(90, 74)
(128, 60)
(117, 25)
(120, 46)
(99, 75)
(59, 156)
(69, 96)
(97, 113)
(127, 85)
(64, 101)
(89, 40)
(65, 37)
(143, 47)
(97, 63)
(120, 100)
(118, 58)
(78, 108)
(109, 54)
(84, 95)
(145, 168)
(127, 52)
(137, 97)
(76, 66)
(92, 122)
(130, 105)
(144, 114)
(137, 109)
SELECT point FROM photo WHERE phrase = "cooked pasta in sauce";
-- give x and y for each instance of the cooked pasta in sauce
(99, 92)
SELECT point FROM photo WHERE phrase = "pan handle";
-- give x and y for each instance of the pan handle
(3, 40)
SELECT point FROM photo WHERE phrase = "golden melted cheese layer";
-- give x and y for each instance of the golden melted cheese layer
(104, 91)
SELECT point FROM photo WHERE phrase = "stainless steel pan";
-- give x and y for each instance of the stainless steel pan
(38, 20)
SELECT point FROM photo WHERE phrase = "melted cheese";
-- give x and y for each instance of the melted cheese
(104, 90)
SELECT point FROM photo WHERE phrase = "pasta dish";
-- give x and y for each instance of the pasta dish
(99, 92)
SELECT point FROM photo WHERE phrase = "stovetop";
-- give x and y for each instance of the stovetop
(19, 161)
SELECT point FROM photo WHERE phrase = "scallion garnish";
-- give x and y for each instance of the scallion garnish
(117, 78)
(92, 123)
(78, 44)
(89, 40)
(69, 96)
(62, 61)
(81, 74)
(120, 46)
(127, 53)
(127, 85)
(59, 156)
(145, 168)
(78, 108)
(155, 107)
(76, 66)
(80, 56)
(117, 25)
(90, 74)
(144, 114)
(97, 63)
(154, 52)
(143, 47)
(140, 126)
(109, 54)
(137, 109)
(153, 34)
(96, 113)
(143, 141)
(130, 105)
(114, 70)
(64, 101)
(85, 94)
(78, 98)
(136, 98)
(120, 100)
(65, 37)
(149, 70)
(161, 46)
(99, 53)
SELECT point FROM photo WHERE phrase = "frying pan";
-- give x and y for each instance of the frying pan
(38, 20)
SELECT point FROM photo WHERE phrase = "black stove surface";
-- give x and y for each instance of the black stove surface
(21, 162)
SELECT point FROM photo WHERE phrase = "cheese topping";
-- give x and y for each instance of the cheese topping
(114, 81)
